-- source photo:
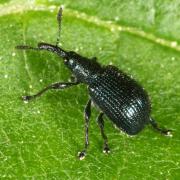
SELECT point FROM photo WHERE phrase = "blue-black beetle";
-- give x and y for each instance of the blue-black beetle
(117, 95)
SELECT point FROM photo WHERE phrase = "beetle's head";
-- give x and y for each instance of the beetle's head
(83, 68)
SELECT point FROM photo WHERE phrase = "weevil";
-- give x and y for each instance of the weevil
(122, 99)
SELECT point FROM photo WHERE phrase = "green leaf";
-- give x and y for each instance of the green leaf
(41, 139)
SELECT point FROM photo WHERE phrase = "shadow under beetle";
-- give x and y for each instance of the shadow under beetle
(118, 96)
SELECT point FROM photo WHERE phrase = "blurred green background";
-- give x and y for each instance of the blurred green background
(40, 140)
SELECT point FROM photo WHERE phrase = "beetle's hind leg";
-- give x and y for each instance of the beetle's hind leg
(58, 85)
(101, 126)
(163, 131)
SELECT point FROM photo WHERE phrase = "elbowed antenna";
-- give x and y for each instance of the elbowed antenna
(49, 47)
(45, 46)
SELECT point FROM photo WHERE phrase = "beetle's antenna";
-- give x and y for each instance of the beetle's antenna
(27, 47)
(59, 19)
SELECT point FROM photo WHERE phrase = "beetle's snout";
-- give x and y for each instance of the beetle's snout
(53, 48)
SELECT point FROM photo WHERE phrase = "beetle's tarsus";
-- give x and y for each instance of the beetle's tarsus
(26, 98)
(106, 149)
(167, 132)
(81, 155)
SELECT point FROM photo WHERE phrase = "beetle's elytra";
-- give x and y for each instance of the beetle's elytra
(118, 96)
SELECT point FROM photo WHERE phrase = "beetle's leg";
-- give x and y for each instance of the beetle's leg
(58, 85)
(154, 124)
(87, 114)
(101, 126)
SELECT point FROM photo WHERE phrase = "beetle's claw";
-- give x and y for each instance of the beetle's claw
(26, 98)
(106, 150)
(167, 132)
(81, 155)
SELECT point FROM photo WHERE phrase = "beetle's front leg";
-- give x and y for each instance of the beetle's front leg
(58, 85)
(101, 126)
(87, 114)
